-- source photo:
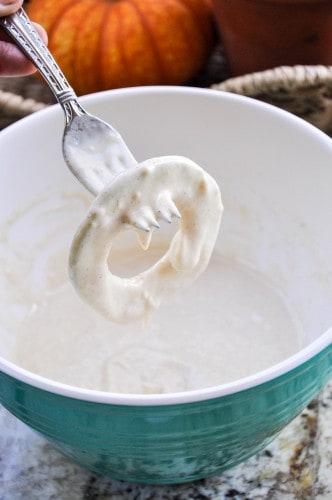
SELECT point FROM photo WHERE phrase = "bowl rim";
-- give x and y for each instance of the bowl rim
(275, 371)
(175, 398)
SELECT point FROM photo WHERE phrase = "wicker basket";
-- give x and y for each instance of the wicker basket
(20, 97)
(305, 91)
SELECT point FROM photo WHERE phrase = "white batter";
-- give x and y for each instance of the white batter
(138, 199)
(228, 324)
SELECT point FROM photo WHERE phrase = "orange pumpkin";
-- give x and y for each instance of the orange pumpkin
(104, 44)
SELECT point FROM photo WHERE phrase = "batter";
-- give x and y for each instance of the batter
(137, 199)
(228, 324)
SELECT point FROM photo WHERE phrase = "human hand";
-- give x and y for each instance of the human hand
(12, 61)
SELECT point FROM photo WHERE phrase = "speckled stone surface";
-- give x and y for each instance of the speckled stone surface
(297, 465)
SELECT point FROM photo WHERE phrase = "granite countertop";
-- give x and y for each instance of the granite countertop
(297, 465)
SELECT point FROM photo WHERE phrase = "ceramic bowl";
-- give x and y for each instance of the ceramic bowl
(275, 175)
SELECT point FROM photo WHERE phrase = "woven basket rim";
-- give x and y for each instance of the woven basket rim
(290, 78)
(17, 105)
(285, 78)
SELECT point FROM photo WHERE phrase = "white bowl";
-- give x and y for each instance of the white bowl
(275, 175)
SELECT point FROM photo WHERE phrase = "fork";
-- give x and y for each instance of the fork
(93, 150)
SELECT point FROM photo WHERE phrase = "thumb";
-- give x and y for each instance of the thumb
(12, 61)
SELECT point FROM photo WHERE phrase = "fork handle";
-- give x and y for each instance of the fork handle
(20, 28)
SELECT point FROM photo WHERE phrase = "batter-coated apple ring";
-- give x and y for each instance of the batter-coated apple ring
(157, 188)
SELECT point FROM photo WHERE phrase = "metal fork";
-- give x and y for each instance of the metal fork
(93, 150)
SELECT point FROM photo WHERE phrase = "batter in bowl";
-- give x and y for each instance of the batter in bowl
(230, 323)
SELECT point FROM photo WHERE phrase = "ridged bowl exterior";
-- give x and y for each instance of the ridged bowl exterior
(167, 443)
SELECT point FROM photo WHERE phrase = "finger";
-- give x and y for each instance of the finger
(12, 61)
(9, 6)
(41, 32)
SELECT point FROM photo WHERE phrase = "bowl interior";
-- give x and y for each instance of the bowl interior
(274, 172)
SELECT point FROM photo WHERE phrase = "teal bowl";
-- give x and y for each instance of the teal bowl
(270, 165)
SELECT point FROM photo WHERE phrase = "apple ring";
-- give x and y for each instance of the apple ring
(158, 188)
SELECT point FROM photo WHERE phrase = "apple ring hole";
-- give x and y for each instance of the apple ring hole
(127, 258)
